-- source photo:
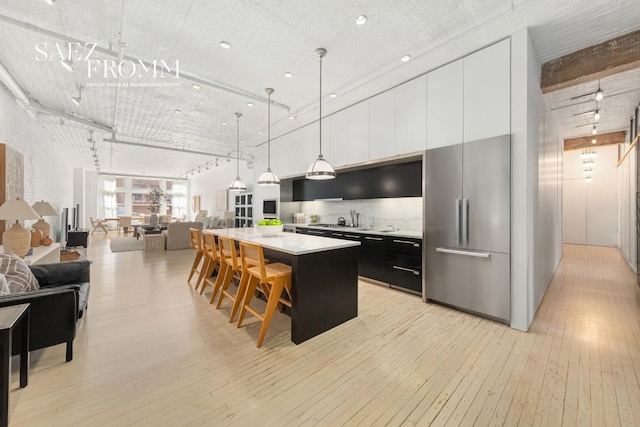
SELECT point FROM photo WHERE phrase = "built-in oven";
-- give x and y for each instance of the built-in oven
(270, 208)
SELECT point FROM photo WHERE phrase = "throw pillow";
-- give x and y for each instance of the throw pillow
(214, 222)
(18, 274)
(4, 286)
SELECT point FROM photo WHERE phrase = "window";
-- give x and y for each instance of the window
(130, 196)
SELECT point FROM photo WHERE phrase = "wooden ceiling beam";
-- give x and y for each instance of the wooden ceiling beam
(603, 139)
(592, 63)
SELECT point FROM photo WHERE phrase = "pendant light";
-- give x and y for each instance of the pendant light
(320, 169)
(237, 184)
(268, 177)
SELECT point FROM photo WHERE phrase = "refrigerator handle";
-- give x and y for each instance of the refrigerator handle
(457, 221)
(465, 221)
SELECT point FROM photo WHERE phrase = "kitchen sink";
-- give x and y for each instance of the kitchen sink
(374, 230)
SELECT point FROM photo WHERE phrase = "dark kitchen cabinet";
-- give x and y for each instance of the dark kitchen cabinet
(400, 180)
(404, 263)
(372, 257)
(307, 190)
(313, 231)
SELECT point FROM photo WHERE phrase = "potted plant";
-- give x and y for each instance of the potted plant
(157, 197)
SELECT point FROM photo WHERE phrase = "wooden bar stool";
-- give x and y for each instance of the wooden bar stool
(196, 243)
(231, 268)
(270, 279)
(211, 264)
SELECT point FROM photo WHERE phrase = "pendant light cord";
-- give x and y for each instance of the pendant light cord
(320, 106)
(269, 131)
(238, 144)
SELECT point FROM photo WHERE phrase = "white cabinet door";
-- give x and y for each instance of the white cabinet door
(487, 95)
(445, 105)
(382, 125)
(260, 161)
(334, 137)
(411, 116)
(281, 156)
(357, 146)
(303, 148)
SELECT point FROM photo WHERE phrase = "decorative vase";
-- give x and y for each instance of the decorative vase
(47, 241)
(153, 220)
(36, 237)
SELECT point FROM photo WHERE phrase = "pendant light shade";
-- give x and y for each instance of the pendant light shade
(320, 168)
(268, 177)
(237, 184)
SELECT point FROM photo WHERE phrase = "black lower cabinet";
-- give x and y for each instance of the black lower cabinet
(372, 258)
(404, 263)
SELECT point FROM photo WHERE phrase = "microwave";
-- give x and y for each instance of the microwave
(270, 208)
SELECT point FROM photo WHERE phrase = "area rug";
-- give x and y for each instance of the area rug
(122, 244)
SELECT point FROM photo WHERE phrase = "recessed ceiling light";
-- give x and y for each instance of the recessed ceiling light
(333, 94)
(196, 86)
(50, 2)
(405, 58)
(243, 141)
(288, 75)
(177, 111)
(249, 104)
(361, 20)
(292, 117)
(261, 133)
(225, 45)
(224, 123)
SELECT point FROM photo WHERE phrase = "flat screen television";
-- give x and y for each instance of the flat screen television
(270, 208)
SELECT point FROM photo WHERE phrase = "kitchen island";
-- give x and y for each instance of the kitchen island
(324, 277)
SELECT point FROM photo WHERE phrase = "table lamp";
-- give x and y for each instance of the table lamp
(17, 239)
(43, 209)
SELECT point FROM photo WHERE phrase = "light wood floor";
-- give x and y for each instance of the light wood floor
(152, 352)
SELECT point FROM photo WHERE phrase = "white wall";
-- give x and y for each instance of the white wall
(206, 183)
(535, 167)
(47, 174)
(627, 206)
(591, 209)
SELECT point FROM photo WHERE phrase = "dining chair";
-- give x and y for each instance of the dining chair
(98, 223)
(211, 265)
(195, 237)
(124, 223)
(273, 280)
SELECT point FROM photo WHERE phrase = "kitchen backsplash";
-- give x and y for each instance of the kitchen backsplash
(403, 213)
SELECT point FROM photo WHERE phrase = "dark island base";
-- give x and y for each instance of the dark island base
(325, 290)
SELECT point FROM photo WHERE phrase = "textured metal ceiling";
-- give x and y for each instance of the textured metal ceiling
(269, 38)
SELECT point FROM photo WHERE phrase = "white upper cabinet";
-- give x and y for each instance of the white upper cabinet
(350, 135)
(411, 116)
(487, 96)
(281, 155)
(382, 125)
(445, 105)
(302, 149)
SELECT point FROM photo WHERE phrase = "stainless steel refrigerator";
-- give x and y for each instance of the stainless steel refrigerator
(468, 226)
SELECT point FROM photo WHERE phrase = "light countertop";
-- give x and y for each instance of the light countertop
(291, 243)
(401, 233)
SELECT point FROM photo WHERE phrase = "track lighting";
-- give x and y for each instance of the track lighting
(594, 130)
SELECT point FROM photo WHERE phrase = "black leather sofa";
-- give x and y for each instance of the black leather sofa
(56, 307)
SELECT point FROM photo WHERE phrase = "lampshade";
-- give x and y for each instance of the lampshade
(320, 169)
(17, 239)
(17, 209)
(237, 184)
(44, 208)
(268, 177)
